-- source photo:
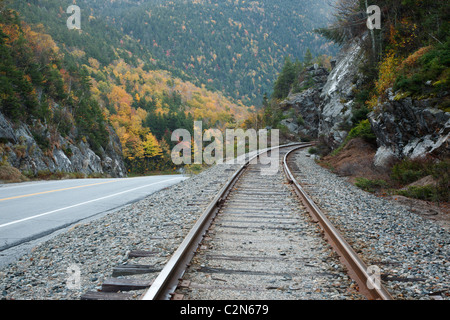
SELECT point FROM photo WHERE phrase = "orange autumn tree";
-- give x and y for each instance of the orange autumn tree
(138, 143)
(146, 106)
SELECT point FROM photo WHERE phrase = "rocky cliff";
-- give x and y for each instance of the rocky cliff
(326, 107)
(337, 97)
(35, 149)
(303, 108)
(404, 127)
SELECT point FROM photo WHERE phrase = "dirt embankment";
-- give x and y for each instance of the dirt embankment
(355, 160)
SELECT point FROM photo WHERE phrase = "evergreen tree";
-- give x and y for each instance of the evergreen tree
(285, 80)
(308, 58)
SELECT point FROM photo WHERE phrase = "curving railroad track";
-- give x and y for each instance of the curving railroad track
(261, 237)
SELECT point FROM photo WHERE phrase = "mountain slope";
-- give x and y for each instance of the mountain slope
(237, 47)
(49, 120)
(139, 99)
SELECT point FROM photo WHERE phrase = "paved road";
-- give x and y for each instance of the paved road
(30, 211)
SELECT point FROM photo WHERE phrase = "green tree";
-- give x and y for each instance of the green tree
(308, 58)
(285, 80)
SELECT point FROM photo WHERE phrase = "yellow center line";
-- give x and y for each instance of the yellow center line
(58, 190)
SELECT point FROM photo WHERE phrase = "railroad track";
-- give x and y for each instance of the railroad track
(255, 240)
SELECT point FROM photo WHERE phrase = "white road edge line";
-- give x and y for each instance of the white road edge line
(82, 203)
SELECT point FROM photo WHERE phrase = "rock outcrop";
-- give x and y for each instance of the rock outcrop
(409, 128)
(326, 107)
(22, 150)
(306, 104)
(337, 95)
(404, 127)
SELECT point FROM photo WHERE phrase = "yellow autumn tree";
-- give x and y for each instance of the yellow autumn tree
(151, 146)
(388, 72)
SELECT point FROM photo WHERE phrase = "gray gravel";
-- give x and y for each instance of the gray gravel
(411, 251)
(158, 223)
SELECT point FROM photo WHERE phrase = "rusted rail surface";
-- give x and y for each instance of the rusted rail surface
(164, 286)
(357, 269)
(166, 283)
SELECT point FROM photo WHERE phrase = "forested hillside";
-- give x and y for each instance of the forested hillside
(47, 103)
(34, 77)
(155, 66)
(142, 100)
(410, 49)
(236, 47)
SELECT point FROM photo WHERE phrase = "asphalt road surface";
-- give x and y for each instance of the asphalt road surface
(32, 211)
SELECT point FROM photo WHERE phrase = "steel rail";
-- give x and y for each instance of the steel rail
(167, 281)
(357, 269)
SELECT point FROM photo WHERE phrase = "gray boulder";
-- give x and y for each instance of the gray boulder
(409, 128)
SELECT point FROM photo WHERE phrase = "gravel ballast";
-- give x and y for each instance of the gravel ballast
(263, 245)
(411, 251)
(157, 223)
